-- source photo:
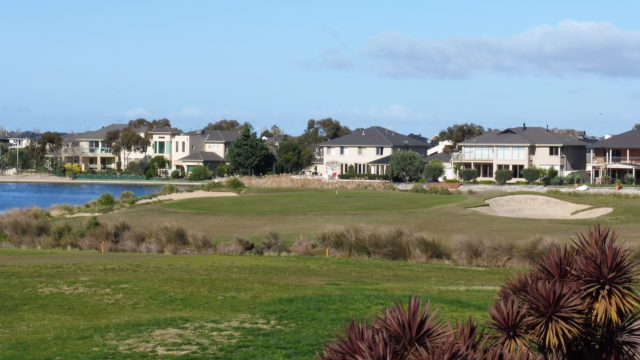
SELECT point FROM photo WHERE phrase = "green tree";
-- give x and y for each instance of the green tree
(406, 165)
(293, 156)
(433, 170)
(249, 155)
(124, 142)
(224, 124)
(461, 132)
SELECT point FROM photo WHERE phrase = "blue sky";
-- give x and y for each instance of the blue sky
(413, 66)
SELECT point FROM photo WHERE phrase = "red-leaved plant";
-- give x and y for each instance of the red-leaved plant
(577, 302)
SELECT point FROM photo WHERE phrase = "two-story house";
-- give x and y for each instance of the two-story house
(20, 140)
(520, 148)
(615, 156)
(367, 150)
(89, 150)
(208, 148)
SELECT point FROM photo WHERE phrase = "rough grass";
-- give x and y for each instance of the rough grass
(81, 305)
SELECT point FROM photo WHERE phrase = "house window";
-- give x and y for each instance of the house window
(183, 146)
(517, 171)
(342, 150)
(554, 151)
(360, 150)
(379, 150)
(177, 149)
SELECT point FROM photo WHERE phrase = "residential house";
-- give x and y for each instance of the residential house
(20, 140)
(208, 148)
(367, 150)
(615, 156)
(89, 150)
(520, 148)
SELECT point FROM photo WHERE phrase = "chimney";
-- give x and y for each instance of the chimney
(547, 127)
(524, 126)
(362, 131)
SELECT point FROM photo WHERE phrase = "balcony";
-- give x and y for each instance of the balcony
(601, 160)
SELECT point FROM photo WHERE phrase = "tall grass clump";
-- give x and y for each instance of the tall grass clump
(24, 226)
(578, 301)
(393, 244)
(129, 198)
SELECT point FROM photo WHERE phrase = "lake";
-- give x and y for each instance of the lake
(21, 195)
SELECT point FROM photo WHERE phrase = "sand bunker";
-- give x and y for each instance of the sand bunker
(539, 207)
(187, 195)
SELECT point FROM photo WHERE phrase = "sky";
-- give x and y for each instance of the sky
(411, 66)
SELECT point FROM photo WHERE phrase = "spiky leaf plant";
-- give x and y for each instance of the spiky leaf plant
(508, 325)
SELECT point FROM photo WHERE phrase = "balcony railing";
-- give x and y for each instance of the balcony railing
(614, 160)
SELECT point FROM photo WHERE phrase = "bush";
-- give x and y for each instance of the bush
(169, 189)
(433, 170)
(468, 175)
(92, 223)
(503, 175)
(234, 184)
(629, 179)
(106, 199)
(272, 244)
(212, 185)
(200, 173)
(487, 182)
(531, 174)
(129, 198)
(556, 181)
(222, 170)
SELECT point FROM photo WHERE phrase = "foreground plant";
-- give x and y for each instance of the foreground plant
(577, 302)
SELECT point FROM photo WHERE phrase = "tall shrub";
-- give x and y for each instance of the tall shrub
(531, 174)
(433, 170)
(406, 165)
(468, 175)
(503, 175)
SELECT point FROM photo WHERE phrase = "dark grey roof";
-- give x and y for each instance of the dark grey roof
(444, 157)
(221, 135)
(629, 140)
(524, 136)
(375, 136)
(94, 135)
(382, 161)
(165, 130)
(202, 156)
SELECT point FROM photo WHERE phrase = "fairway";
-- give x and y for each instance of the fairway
(73, 305)
(314, 202)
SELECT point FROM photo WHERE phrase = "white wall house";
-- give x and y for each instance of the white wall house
(367, 150)
(519, 148)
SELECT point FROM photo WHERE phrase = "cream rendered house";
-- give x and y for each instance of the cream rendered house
(208, 148)
(367, 150)
(520, 148)
(89, 150)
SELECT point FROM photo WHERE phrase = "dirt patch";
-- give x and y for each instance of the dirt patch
(539, 207)
(192, 338)
(187, 195)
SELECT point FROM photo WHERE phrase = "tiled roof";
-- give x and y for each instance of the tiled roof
(629, 140)
(94, 135)
(524, 136)
(202, 156)
(375, 136)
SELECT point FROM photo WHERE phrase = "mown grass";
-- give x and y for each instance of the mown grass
(313, 202)
(82, 305)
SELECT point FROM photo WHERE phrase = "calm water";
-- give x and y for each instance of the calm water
(20, 195)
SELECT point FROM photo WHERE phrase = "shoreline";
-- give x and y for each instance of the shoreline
(51, 179)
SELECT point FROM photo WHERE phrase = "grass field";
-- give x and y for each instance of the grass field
(296, 214)
(73, 305)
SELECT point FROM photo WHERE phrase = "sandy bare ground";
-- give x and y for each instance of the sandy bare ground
(539, 207)
(187, 195)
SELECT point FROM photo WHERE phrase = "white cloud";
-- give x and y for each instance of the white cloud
(192, 112)
(137, 112)
(570, 47)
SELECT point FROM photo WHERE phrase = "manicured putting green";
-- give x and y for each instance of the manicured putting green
(314, 202)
